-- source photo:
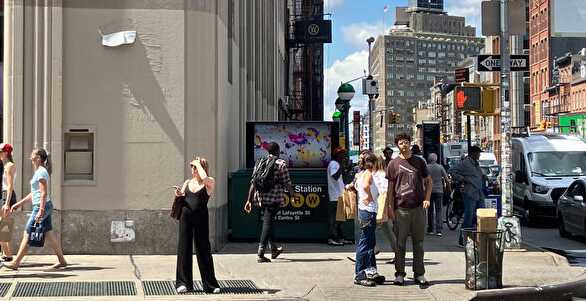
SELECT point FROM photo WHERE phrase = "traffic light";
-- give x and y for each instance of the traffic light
(468, 99)
(369, 86)
(488, 101)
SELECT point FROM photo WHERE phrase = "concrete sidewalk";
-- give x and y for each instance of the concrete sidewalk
(303, 272)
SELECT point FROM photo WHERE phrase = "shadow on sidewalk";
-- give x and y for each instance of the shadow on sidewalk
(45, 275)
(284, 259)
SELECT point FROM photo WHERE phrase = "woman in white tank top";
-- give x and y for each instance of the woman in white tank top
(365, 269)
(8, 199)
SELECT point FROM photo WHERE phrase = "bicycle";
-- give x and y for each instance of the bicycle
(454, 210)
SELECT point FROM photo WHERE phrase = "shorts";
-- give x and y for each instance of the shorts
(6, 223)
(12, 198)
(45, 222)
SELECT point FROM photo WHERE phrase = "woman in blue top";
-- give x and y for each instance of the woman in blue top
(41, 213)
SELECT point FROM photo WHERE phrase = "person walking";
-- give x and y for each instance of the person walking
(381, 183)
(388, 153)
(469, 173)
(439, 177)
(269, 182)
(194, 228)
(42, 209)
(8, 199)
(335, 191)
(365, 267)
(409, 195)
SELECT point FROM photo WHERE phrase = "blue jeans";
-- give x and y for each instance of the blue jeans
(365, 248)
(470, 206)
(46, 222)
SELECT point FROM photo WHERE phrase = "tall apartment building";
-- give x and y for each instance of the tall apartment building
(544, 48)
(122, 121)
(425, 45)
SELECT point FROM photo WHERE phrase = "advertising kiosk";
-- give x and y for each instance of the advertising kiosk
(307, 148)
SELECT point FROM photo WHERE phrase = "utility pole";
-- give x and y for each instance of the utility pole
(507, 223)
(370, 98)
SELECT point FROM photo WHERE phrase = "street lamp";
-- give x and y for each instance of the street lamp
(345, 93)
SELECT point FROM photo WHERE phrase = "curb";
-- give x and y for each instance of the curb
(557, 258)
(561, 291)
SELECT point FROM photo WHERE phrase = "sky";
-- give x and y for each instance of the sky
(353, 21)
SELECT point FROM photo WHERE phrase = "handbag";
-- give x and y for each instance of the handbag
(340, 210)
(37, 236)
(350, 198)
(382, 214)
(178, 204)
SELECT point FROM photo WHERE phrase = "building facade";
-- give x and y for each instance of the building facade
(121, 122)
(544, 48)
(421, 48)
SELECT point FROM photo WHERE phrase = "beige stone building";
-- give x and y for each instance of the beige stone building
(121, 123)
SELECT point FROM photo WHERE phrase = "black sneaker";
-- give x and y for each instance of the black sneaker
(262, 260)
(378, 279)
(365, 282)
(6, 258)
(276, 252)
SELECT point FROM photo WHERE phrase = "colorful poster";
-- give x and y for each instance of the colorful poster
(303, 145)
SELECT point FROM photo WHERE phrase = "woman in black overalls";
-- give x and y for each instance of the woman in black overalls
(194, 227)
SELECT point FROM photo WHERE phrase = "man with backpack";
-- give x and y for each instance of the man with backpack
(270, 180)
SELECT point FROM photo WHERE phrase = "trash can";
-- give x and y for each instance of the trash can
(484, 259)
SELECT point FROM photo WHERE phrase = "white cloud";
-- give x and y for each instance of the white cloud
(345, 70)
(331, 4)
(471, 9)
(356, 34)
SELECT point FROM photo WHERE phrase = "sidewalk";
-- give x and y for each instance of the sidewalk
(304, 272)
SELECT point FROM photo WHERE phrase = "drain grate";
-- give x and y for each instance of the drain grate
(74, 289)
(229, 287)
(4, 287)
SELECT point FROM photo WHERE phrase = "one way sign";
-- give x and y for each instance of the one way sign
(492, 63)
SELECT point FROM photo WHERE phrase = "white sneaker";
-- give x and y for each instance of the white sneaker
(182, 289)
(216, 290)
(399, 280)
(421, 280)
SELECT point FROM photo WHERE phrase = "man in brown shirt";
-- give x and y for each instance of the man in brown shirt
(408, 196)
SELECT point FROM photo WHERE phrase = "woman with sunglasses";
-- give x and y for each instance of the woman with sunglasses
(41, 212)
(194, 227)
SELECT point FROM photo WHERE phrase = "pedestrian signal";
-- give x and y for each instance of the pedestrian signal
(468, 99)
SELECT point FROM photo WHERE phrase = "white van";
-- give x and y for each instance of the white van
(543, 167)
(487, 159)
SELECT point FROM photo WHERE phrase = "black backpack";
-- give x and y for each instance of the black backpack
(263, 176)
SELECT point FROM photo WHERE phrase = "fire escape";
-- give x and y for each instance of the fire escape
(306, 65)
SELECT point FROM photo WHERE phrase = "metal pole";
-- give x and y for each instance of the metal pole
(506, 177)
(370, 98)
(468, 131)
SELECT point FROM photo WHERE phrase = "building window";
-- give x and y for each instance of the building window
(79, 154)
(431, 54)
(420, 76)
(422, 61)
(441, 54)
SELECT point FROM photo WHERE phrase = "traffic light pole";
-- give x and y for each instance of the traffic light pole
(507, 223)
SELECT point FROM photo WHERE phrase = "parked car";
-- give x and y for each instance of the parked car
(572, 210)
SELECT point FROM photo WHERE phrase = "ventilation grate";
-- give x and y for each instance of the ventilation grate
(228, 287)
(74, 289)
(4, 287)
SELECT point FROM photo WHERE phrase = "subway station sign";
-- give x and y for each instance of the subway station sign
(309, 204)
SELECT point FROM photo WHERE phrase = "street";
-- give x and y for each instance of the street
(548, 238)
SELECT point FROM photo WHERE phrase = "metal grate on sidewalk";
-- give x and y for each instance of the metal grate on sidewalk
(228, 287)
(4, 287)
(74, 289)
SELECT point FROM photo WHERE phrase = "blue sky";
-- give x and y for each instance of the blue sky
(353, 21)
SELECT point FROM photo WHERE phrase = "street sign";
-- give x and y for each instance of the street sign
(492, 62)
(462, 75)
